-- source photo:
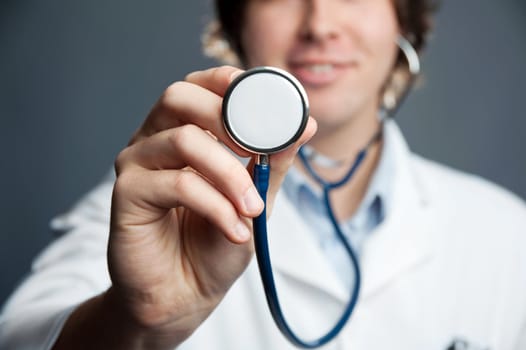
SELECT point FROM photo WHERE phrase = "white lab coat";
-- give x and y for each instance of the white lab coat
(445, 264)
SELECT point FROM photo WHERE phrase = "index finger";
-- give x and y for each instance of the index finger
(215, 79)
(197, 100)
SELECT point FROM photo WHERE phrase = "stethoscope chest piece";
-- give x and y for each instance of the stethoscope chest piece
(265, 110)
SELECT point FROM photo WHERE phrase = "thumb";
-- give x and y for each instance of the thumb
(281, 162)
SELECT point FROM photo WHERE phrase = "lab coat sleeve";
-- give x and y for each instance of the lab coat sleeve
(69, 271)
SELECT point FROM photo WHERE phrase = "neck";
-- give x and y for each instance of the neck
(343, 143)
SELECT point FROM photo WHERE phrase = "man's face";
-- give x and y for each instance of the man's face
(341, 50)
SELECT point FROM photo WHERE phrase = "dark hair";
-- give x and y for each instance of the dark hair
(414, 17)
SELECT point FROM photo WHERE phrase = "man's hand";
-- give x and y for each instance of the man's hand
(180, 231)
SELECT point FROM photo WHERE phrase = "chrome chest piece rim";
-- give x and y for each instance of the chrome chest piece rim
(265, 110)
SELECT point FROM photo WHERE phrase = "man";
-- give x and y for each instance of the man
(440, 251)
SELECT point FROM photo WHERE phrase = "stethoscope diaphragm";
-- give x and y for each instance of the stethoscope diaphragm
(265, 110)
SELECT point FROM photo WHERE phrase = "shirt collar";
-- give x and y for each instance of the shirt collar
(376, 203)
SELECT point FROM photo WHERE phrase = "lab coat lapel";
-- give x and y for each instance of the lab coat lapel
(404, 239)
(295, 251)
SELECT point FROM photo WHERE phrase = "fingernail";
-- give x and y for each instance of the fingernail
(242, 231)
(252, 201)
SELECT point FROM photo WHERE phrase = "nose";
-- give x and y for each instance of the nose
(320, 20)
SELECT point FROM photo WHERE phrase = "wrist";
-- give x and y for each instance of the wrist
(140, 332)
(103, 323)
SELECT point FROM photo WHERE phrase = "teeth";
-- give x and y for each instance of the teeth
(320, 68)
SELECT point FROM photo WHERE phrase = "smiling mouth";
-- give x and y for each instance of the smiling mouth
(318, 74)
(319, 68)
(315, 67)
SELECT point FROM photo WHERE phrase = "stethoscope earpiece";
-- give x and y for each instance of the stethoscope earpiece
(265, 110)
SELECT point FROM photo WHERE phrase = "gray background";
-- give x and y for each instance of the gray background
(77, 78)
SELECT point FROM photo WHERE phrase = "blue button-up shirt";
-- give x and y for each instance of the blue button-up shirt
(370, 213)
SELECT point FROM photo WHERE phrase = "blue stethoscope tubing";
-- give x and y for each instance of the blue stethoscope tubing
(261, 180)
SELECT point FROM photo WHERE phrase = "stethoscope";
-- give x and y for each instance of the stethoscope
(265, 110)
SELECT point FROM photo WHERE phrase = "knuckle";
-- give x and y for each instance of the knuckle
(227, 70)
(181, 181)
(124, 182)
(223, 73)
(182, 136)
(190, 76)
(172, 93)
(121, 160)
(174, 88)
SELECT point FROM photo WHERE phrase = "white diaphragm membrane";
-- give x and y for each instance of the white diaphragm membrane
(265, 110)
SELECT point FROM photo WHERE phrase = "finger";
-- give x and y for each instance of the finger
(186, 103)
(216, 79)
(191, 146)
(167, 189)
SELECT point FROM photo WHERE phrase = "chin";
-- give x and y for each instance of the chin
(330, 121)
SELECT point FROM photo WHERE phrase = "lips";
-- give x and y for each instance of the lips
(318, 73)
